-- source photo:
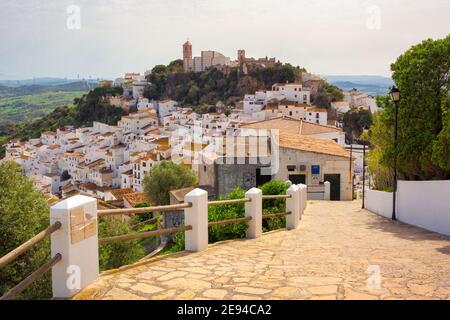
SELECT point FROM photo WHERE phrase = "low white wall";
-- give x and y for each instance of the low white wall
(379, 202)
(425, 204)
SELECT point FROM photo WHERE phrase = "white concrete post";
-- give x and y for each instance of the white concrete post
(293, 205)
(254, 209)
(77, 242)
(197, 217)
(326, 195)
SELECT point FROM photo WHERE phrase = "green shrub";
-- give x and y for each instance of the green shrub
(226, 212)
(23, 214)
(117, 254)
(274, 187)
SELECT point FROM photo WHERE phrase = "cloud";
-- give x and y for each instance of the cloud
(325, 36)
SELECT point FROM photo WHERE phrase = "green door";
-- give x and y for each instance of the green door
(335, 186)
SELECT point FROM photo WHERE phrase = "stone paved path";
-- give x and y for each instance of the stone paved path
(331, 256)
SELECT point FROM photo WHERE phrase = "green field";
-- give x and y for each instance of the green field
(19, 108)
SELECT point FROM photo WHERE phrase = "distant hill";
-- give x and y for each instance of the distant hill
(10, 91)
(27, 102)
(374, 85)
(44, 81)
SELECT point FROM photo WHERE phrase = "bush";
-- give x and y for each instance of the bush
(232, 211)
(274, 187)
(118, 254)
(23, 214)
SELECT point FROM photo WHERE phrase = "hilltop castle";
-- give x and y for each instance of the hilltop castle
(213, 58)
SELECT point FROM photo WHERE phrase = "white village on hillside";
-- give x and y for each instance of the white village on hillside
(109, 162)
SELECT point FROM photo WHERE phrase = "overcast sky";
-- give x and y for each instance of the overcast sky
(345, 37)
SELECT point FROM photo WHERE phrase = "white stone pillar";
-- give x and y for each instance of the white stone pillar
(197, 217)
(327, 187)
(77, 242)
(293, 205)
(254, 209)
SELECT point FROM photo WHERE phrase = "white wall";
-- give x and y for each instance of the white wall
(425, 204)
(379, 202)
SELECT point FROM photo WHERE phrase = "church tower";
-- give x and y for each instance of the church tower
(187, 55)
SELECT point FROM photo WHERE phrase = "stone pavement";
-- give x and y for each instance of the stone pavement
(334, 254)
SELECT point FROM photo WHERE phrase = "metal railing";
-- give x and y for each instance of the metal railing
(11, 256)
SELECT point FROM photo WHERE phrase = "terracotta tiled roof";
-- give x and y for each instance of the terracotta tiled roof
(290, 125)
(119, 193)
(315, 109)
(49, 133)
(341, 103)
(135, 198)
(311, 144)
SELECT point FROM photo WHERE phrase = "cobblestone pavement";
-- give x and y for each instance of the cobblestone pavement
(335, 254)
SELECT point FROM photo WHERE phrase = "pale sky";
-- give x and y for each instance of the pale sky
(339, 37)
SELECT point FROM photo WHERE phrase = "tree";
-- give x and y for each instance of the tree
(422, 75)
(117, 254)
(23, 214)
(355, 121)
(167, 176)
(65, 176)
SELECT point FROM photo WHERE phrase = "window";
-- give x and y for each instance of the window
(204, 168)
(291, 168)
(290, 113)
(317, 121)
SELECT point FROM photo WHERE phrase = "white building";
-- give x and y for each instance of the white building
(317, 115)
(291, 92)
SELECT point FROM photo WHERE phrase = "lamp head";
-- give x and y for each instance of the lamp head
(395, 94)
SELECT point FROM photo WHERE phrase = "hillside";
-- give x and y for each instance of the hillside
(188, 88)
(28, 102)
(85, 110)
(211, 86)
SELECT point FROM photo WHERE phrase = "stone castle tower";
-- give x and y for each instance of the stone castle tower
(187, 55)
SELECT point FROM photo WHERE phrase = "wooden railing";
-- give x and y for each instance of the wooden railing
(177, 207)
(11, 256)
(79, 237)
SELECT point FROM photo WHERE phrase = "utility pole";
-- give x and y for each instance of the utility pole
(350, 167)
(364, 174)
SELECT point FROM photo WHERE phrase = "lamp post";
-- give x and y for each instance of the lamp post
(395, 96)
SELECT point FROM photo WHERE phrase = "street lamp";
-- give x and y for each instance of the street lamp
(395, 96)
